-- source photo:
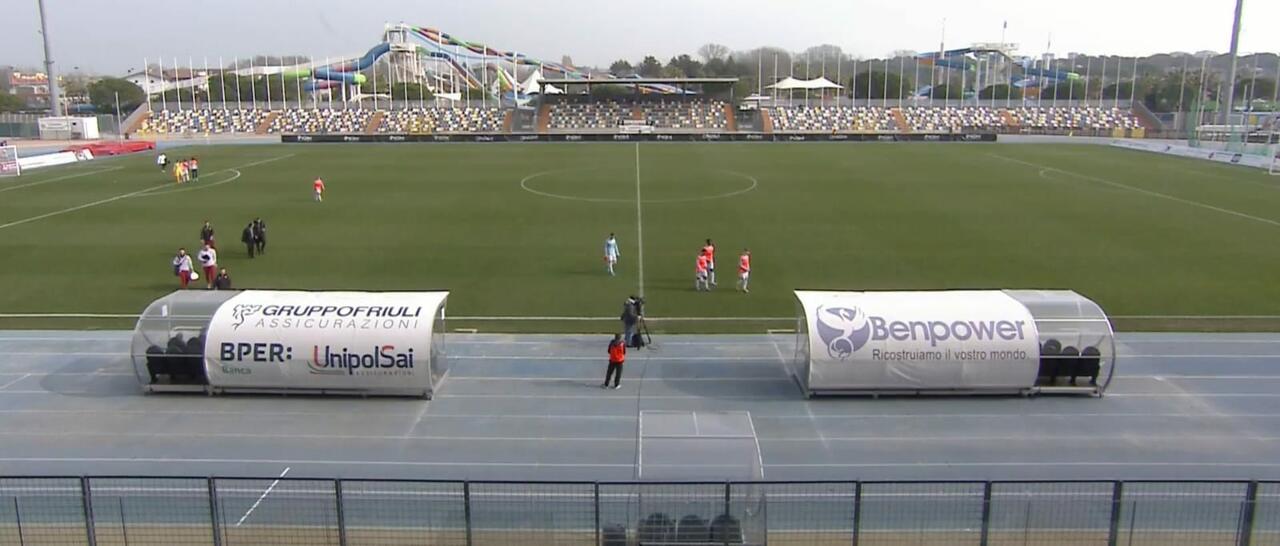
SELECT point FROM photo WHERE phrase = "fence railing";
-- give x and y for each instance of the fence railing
(114, 511)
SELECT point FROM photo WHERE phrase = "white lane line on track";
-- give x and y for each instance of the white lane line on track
(67, 177)
(264, 495)
(7, 385)
(298, 462)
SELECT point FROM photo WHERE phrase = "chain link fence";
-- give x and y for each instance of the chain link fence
(142, 511)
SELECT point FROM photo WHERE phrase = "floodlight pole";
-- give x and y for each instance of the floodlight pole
(55, 97)
(1231, 74)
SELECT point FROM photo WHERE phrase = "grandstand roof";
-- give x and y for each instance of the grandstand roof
(639, 81)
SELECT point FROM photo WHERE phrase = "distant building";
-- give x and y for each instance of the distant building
(31, 87)
(153, 81)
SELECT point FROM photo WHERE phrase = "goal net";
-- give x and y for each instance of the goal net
(9, 161)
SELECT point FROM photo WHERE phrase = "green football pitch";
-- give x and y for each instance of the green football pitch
(518, 230)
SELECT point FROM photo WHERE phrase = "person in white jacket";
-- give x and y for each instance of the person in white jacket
(182, 267)
(209, 262)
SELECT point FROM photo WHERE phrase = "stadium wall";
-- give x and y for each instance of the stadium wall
(657, 137)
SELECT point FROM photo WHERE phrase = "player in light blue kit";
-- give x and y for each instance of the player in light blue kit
(611, 253)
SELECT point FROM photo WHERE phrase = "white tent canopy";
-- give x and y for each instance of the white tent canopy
(816, 83)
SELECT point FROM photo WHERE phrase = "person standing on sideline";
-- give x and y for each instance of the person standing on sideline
(710, 250)
(248, 239)
(182, 267)
(260, 234)
(223, 282)
(700, 273)
(611, 253)
(617, 355)
(744, 270)
(162, 161)
(631, 315)
(195, 170)
(209, 261)
(318, 186)
(206, 235)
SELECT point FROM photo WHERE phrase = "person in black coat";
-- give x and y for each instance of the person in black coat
(222, 281)
(247, 237)
(260, 234)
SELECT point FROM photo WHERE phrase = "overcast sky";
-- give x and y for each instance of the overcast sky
(88, 35)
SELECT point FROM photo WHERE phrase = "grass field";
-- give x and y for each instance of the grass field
(517, 230)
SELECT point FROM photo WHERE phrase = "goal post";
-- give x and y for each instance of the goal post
(9, 165)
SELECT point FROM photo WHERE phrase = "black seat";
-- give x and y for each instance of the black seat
(693, 528)
(726, 529)
(1049, 361)
(155, 362)
(1068, 364)
(1090, 365)
(658, 527)
(613, 535)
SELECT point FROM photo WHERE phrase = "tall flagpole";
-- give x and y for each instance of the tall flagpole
(266, 78)
(236, 62)
(1133, 83)
(297, 83)
(822, 94)
(191, 73)
(839, 61)
(1088, 64)
(177, 87)
(775, 77)
(806, 76)
(855, 82)
(901, 77)
(375, 85)
(329, 90)
(284, 94)
(164, 101)
(1115, 103)
(146, 78)
(915, 79)
(222, 82)
(759, 73)
(1071, 86)
(253, 84)
(884, 97)
(1102, 81)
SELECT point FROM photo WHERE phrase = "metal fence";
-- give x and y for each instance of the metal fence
(266, 511)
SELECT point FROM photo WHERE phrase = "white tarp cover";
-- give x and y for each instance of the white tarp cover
(324, 340)
(971, 339)
(816, 83)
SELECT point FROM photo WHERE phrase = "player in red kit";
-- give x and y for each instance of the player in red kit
(318, 185)
(744, 270)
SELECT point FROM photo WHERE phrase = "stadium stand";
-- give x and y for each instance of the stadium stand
(1074, 118)
(684, 115)
(608, 114)
(303, 120)
(687, 115)
(214, 121)
(832, 118)
(442, 120)
(947, 120)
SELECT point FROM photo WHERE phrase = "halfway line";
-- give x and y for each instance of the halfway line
(639, 224)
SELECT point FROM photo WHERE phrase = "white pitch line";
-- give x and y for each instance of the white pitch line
(264, 495)
(1141, 190)
(596, 358)
(94, 204)
(639, 225)
(131, 194)
(68, 177)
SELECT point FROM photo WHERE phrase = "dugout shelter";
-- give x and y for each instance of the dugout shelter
(361, 343)
(952, 342)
